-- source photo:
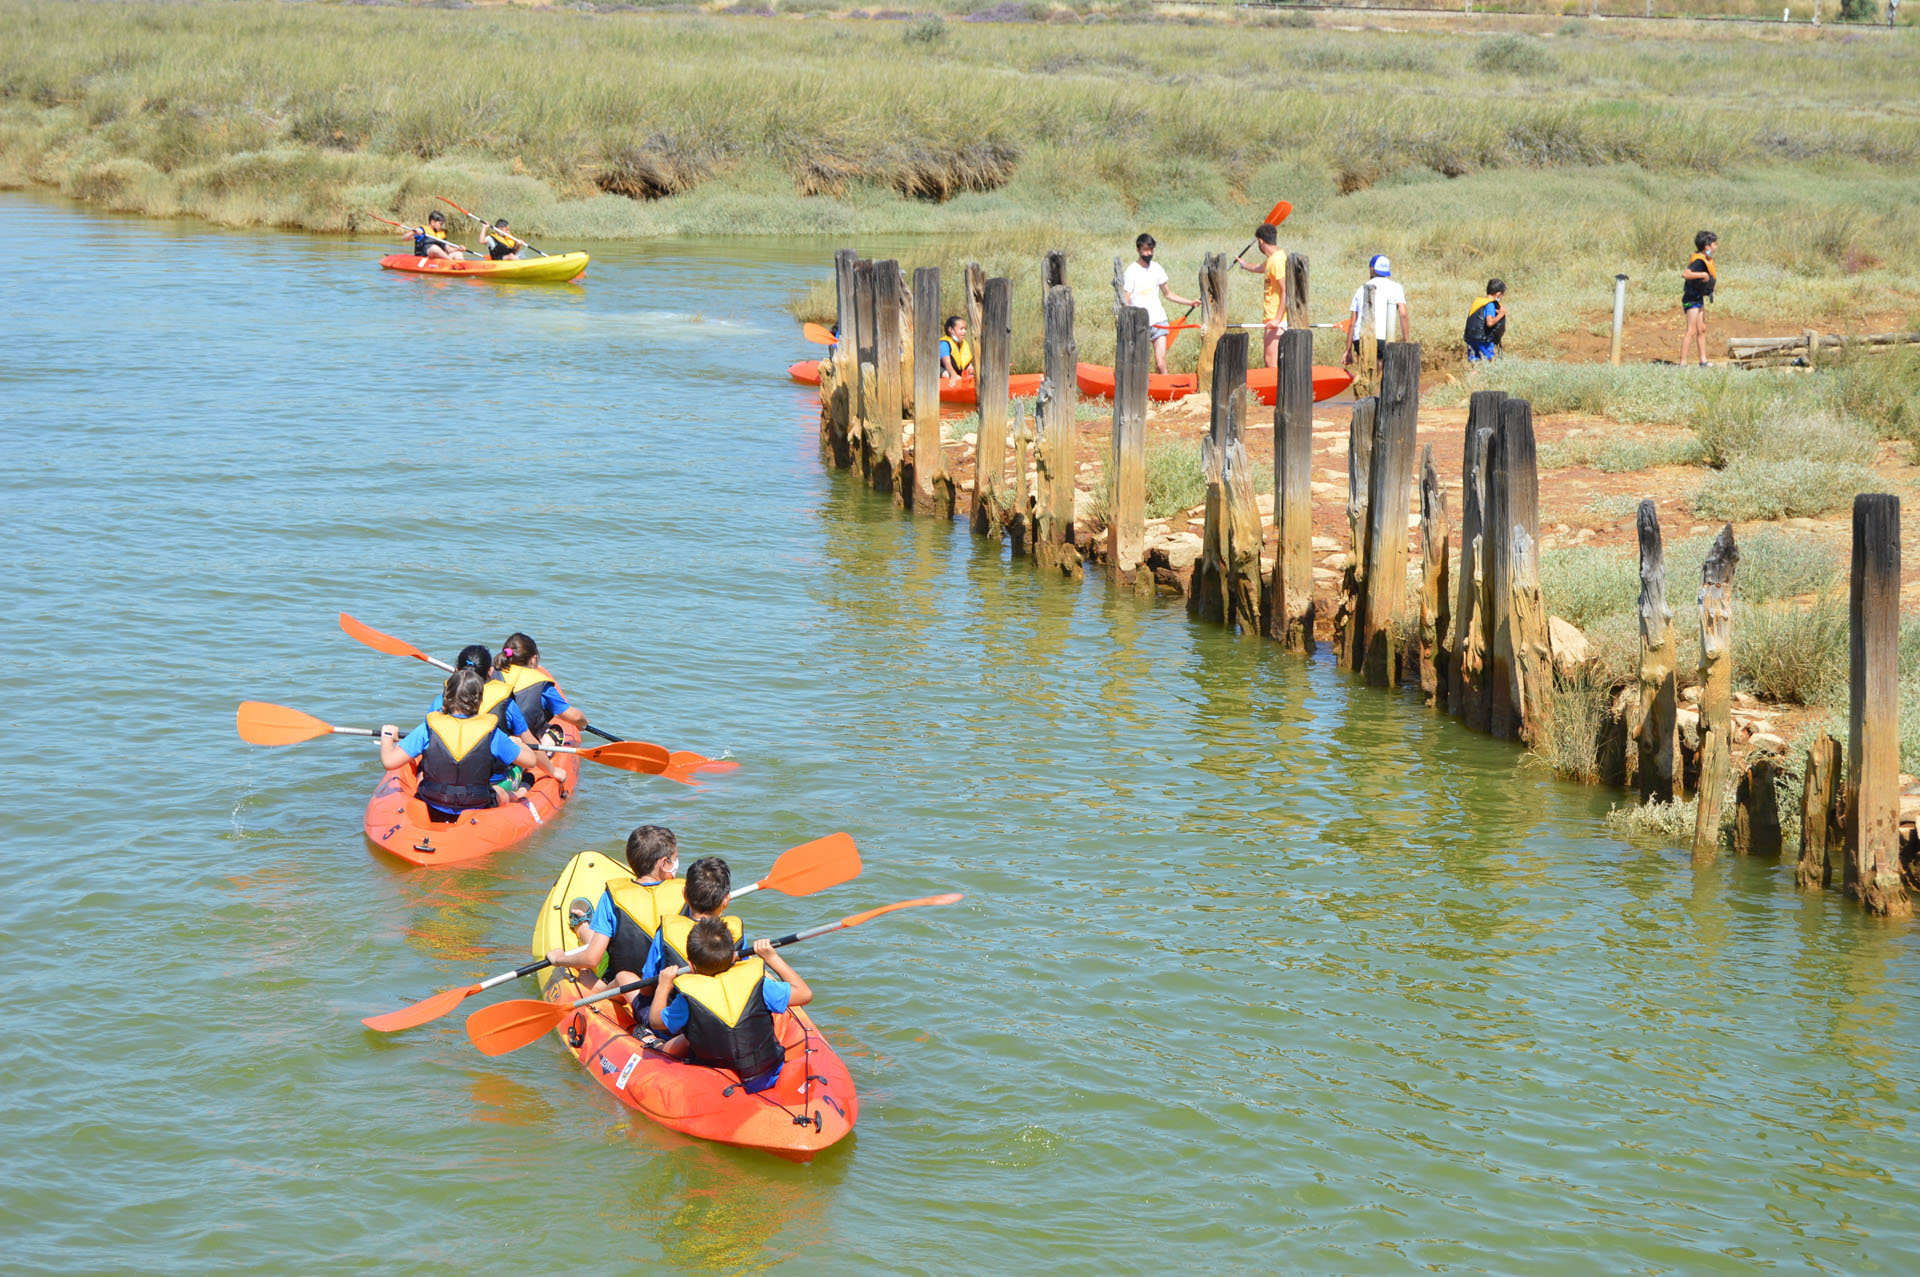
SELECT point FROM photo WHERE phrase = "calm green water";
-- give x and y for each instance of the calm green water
(1256, 969)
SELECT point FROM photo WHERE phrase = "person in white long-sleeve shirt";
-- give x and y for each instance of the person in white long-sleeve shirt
(1145, 283)
(1375, 318)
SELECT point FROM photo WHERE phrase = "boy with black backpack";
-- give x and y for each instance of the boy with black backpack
(1487, 323)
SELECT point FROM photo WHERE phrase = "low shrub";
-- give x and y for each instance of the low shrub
(1584, 583)
(1792, 654)
(1762, 488)
(1513, 55)
(1567, 738)
(930, 29)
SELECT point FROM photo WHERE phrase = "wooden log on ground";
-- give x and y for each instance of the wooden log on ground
(1872, 802)
(1389, 498)
(1297, 295)
(932, 483)
(1127, 468)
(1436, 599)
(1215, 270)
(1532, 659)
(1054, 542)
(1716, 692)
(1756, 815)
(1656, 731)
(1467, 686)
(1289, 594)
(861, 430)
(1823, 843)
(1348, 639)
(889, 446)
(993, 352)
(1513, 501)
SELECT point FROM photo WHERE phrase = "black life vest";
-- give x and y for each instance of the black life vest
(456, 771)
(525, 683)
(501, 245)
(424, 239)
(728, 1023)
(673, 937)
(638, 909)
(1479, 332)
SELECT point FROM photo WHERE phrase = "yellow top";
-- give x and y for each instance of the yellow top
(1273, 296)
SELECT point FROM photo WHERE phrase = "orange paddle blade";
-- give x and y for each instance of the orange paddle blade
(950, 898)
(377, 641)
(420, 1012)
(262, 724)
(814, 866)
(444, 200)
(687, 766)
(818, 334)
(1279, 213)
(630, 756)
(508, 1026)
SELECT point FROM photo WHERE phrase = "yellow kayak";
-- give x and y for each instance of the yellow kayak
(525, 270)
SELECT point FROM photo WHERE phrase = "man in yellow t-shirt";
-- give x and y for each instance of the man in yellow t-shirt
(1273, 294)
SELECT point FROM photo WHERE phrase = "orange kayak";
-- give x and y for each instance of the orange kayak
(810, 1108)
(1096, 382)
(1021, 385)
(397, 821)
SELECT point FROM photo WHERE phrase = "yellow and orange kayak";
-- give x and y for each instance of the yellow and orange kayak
(810, 1108)
(524, 270)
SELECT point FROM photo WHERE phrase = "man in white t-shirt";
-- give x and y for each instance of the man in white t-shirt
(1145, 283)
(1374, 316)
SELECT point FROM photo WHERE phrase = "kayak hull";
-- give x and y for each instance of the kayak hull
(397, 823)
(811, 1107)
(958, 392)
(524, 270)
(1096, 382)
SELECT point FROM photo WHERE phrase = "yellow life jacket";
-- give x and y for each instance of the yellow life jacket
(673, 938)
(525, 683)
(960, 352)
(456, 770)
(728, 1023)
(638, 910)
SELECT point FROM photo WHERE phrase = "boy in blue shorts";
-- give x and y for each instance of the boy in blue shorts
(1487, 323)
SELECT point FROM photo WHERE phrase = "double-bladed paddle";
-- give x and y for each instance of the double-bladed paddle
(261, 723)
(483, 224)
(682, 764)
(508, 1026)
(799, 871)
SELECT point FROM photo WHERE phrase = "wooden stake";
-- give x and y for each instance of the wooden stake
(1217, 587)
(836, 389)
(1872, 803)
(1716, 692)
(1215, 270)
(1053, 274)
(1436, 599)
(1297, 294)
(1366, 363)
(1389, 495)
(1347, 622)
(1513, 501)
(1756, 815)
(1656, 734)
(1127, 470)
(1054, 544)
(1020, 522)
(888, 445)
(1467, 688)
(1290, 594)
(861, 428)
(976, 304)
(992, 353)
(1823, 859)
(932, 484)
(1532, 659)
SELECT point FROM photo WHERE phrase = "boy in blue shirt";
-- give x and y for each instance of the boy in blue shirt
(720, 1012)
(1487, 323)
(460, 751)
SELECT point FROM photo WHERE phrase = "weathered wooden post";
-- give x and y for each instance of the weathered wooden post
(1823, 859)
(1053, 274)
(1290, 594)
(1127, 471)
(1020, 523)
(932, 484)
(1655, 734)
(888, 446)
(1756, 814)
(1245, 534)
(1513, 500)
(975, 307)
(1872, 802)
(1716, 692)
(1348, 620)
(1297, 293)
(1436, 599)
(903, 308)
(1216, 584)
(993, 351)
(1467, 688)
(1366, 329)
(1059, 394)
(1389, 491)
(839, 371)
(860, 437)
(1215, 270)
(1532, 658)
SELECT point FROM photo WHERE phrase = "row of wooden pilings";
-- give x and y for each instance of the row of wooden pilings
(1474, 641)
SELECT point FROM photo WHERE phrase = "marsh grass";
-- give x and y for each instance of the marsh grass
(1615, 454)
